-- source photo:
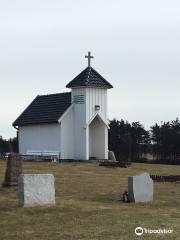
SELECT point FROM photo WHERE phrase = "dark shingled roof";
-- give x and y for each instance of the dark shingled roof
(45, 109)
(89, 78)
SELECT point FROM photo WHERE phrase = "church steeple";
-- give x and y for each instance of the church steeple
(89, 77)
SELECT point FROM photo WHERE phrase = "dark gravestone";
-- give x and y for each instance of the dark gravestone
(13, 170)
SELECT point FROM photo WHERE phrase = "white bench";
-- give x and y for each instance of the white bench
(53, 155)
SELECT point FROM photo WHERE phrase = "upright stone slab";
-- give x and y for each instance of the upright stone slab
(13, 170)
(36, 189)
(140, 188)
(111, 156)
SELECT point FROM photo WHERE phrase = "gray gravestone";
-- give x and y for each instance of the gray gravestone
(111, 156)
(140, 188)
(36, 189)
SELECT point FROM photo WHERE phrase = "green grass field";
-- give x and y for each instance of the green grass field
(88, 205)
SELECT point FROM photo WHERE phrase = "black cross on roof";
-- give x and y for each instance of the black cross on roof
(89, 58)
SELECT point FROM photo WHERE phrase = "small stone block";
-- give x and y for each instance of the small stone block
(36, 189)
(140, 188)
(111, 156)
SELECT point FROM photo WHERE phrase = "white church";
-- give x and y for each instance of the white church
(73, 125)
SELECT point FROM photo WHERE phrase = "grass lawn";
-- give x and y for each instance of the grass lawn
(88, 206)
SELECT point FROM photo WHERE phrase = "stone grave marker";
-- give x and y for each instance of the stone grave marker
(13, 170)
(140, 188)
(36, 189)
(111, 156)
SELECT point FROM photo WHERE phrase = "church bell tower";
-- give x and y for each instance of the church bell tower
(89, 100)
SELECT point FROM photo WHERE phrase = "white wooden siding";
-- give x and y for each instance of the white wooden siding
(44, 137)
(80, 132)
(96, 96)
(67, 135)
(76, 137)
(83, 113)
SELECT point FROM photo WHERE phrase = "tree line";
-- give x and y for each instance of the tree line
(9, 145)
(132, 142)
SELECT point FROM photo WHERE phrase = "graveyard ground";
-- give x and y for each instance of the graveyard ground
(88, 206)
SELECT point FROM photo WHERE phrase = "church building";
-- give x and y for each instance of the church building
(74, 125)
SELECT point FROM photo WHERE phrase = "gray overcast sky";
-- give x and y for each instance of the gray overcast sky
(136, 45)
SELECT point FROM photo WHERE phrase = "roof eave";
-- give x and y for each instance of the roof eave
(30, 124)
(90, 86)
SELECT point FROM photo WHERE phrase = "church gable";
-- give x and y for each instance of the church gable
(45, 109)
